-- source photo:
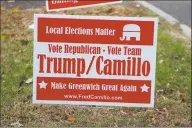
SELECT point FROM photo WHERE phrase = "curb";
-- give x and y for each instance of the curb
(170, 19)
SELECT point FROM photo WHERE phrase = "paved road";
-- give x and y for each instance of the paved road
(181, 10)
(23, 4)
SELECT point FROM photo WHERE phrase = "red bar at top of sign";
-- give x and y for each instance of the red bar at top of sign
(95, 31)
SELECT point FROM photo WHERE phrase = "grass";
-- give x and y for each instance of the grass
(173, 78)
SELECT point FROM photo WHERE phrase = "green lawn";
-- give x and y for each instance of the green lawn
(173, 78)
